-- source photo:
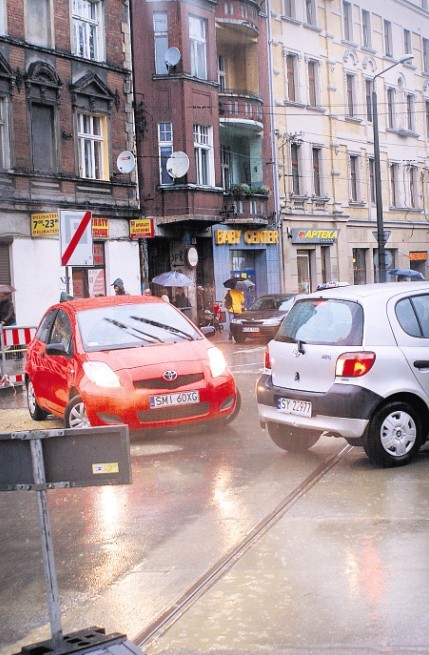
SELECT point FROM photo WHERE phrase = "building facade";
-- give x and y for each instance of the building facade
(203, 142)
(325, 57)
(66, 114)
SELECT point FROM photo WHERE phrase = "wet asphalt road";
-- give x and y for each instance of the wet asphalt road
(342, 568)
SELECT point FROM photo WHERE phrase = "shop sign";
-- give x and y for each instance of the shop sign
(45, 225)
(100, 228)
(418, 256)
(98, 254)
(250, 237)
(311, 235)
(192, 256)
(142, 228)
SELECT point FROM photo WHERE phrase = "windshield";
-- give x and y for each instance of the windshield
(322, 321)
(127, 326)
(271, 303)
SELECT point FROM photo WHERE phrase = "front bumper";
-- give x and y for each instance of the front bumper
(344, 410)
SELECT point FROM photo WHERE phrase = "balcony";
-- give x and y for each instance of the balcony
(247, 207)
(236, 105)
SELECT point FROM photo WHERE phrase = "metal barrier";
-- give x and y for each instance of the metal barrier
(14, 340)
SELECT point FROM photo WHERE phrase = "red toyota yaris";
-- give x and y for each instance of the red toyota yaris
(126, 359)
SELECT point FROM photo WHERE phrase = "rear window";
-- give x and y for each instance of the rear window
(323, 321)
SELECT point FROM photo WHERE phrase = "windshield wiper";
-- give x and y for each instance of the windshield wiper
(130, 329)
(163, 326)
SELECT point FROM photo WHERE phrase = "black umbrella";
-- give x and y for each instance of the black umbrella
(230, 283)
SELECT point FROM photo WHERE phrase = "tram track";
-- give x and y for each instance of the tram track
(172, 614)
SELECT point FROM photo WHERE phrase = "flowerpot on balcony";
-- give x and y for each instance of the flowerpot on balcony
(240, 190)
(260, 190)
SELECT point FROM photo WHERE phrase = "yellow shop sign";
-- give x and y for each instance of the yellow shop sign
(250, 237)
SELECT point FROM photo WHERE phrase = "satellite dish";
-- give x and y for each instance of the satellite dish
(177, 164)
(172, 57)
(126, 162)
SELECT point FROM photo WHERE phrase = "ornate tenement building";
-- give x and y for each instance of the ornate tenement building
(325, 57)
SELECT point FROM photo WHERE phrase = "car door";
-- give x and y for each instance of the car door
(59, 368)
(409, 318)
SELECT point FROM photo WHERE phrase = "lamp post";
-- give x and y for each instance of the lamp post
(381, 241)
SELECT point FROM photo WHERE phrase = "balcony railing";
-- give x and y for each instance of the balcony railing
(236, 103)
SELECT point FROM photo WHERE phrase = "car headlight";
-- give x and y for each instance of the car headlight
(217, 361)
(101, 374)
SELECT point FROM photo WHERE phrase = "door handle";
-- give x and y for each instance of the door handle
(421, 363)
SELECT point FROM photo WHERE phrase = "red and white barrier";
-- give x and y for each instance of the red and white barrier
(14, 340)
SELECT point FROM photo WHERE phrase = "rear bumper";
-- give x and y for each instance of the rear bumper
(344, 410)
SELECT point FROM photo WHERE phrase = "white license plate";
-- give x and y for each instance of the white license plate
(250, 329)
(174, 399)
(297, 407)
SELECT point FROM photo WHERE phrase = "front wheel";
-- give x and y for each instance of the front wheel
(394, 435)
(75, 414)
(294, 440)
(36, 412)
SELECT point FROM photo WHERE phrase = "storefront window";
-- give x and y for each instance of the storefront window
(304, 275)
(89, 282)
(359, 266)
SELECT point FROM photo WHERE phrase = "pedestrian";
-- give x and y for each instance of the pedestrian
(164, 295)
(7, 310)
(147, 292)
(180, 301)
(118, 287)
(233, 302)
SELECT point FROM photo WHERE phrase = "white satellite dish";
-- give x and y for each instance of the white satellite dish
(177, 164)
(126, 162)
(172, 57)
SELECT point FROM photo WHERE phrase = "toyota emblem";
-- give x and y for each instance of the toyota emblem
(170, 376)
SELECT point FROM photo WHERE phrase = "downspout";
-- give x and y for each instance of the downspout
(278, 219)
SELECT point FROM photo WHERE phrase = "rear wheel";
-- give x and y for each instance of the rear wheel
(36, 412)
(75, 414)
(394, 435)
(295, 440)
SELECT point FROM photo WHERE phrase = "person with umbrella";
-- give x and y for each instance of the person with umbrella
(233, 302)
(7, 310)
(180, 301)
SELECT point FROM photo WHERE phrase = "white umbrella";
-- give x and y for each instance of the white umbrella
(173, 279)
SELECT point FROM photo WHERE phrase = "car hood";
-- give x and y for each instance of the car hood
(191, 353)
(261, 315)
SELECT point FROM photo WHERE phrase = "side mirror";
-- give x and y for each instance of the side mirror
(56, 349)
(208, 331)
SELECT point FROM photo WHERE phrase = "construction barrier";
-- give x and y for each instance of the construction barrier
(14, 340)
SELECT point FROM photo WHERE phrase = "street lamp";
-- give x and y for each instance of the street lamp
(381, 240)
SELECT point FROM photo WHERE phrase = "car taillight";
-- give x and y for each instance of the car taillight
(267, 361)
(354, 365)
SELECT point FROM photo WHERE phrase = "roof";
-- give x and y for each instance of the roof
(81, 304)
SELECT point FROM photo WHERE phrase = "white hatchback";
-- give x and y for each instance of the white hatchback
(351, 362)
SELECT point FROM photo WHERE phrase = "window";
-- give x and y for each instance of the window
(426, 55)
(388, 48)
(412, 186)
(359, 265)
(371, 173)
(43, 138)
(4, 134)
(38, 22)
(347, 21)
(165, 142)
(409, 100)
(350, 93)
(394, 178)
(408, 48)
(295, 174)
(87, 29)
(92, 146)
(225, 156)
(317, 187)
(221, 73)
(291, 61)
(160, 32)
(366, 29)
(289, 8)
(198, 47)
(354, 180)
(3, 17)
(368, 99)
(391, 108)
(312, 83)
(310, 12)
(203, 154)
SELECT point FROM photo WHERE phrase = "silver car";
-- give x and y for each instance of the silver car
(351, 362)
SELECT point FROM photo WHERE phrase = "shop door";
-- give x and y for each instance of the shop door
(303, 264)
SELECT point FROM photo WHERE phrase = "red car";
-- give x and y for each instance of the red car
(126, 359)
